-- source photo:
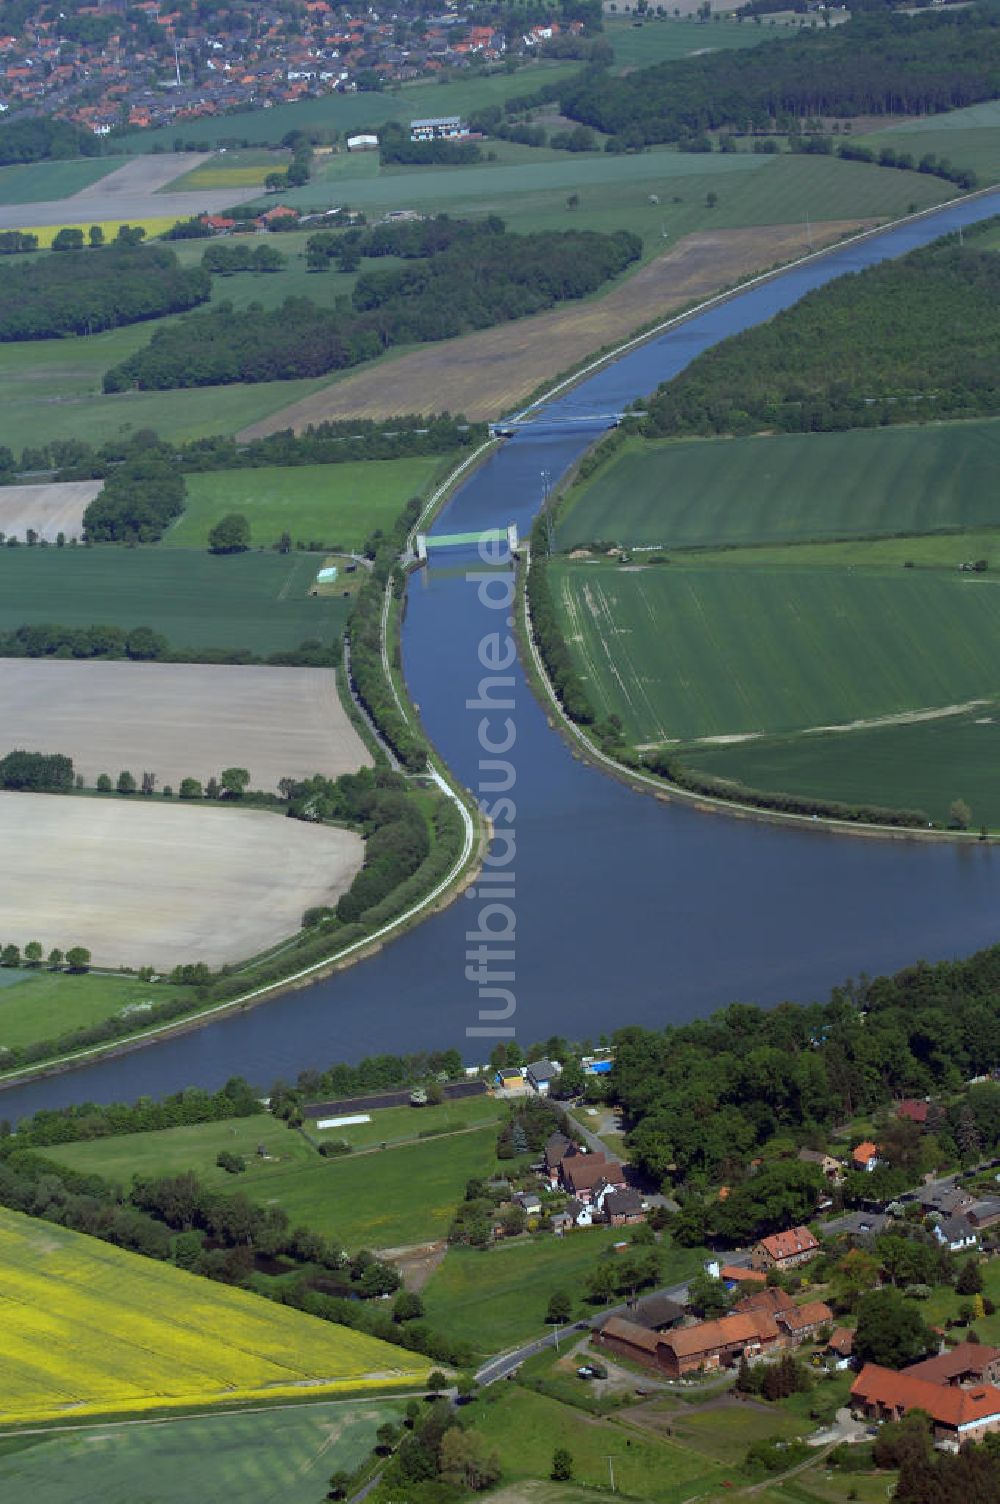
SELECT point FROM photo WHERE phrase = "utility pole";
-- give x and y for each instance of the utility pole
(555, 1334)
(546, 512)
(611, 1469)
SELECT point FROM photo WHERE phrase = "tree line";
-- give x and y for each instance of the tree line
(144, 645)
(483, 276)
(907, 340)
(395, 146)
(36, 772)
(874, 65)
(67, 295)
(332, 442)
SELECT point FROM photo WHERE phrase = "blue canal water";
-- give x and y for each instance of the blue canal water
(628, 910)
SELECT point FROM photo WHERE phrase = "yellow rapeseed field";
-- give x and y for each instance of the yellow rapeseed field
(156, 226)
(89, 1329)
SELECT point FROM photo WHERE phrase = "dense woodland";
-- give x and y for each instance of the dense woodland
(904, 341)
(45, 138)
(703, 1097)
(876, 65)
(480, 276)
(140, 498)
(95, 290)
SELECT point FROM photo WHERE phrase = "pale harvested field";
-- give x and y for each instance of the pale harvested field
(51, 509)
(178, 720)
(130, 192)
(140, 882)
(485, 375)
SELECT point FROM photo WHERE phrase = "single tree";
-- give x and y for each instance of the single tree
(234, 782)
(340, 1484)
(33, 953)
(10, 955)
(96, 235)
(104, 784)
(437, 1382)
(891, 1331)
(212, 788)
(970, 1279)
(230, 535)
(959, 815)
(190, 788)
(562, 1465)
(386, 1436)
(126, 783)
(55, 958)
(407, 1306)
(148, 782)
(78, 958)
(711, 199)
(559, 1307)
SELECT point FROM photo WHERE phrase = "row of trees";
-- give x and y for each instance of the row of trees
(480, 276)
(395, 146)
(58, 295)
(875, 65)
(328, 443)
(76, 959)
(143, 645)
(911, 339)
(225, 260)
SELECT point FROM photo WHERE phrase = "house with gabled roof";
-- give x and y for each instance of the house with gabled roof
(786, 1250)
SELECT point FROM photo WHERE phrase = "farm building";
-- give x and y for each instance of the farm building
(541, 1074)
(784, 1250)
(364, 142)
(438, 128)
(957, 1415)
(968, 1363)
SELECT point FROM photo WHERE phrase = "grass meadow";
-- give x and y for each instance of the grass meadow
(497, 1298)
(525, 1428)
(38, 1005)
(864, 483)
(92, 1329)
(968, 138)
(284, 1453)
(681, 652)
(253, 600)
(379, 1199)
(641, 44)
(338, 505)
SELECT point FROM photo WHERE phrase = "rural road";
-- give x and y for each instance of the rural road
(130, 192)
(499, 1368)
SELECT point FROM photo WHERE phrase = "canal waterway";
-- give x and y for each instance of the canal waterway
(628, 910)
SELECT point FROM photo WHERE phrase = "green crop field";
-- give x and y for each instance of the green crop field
(253, 600)
(337, 505)
(238, 168)
(91, 1329)
(528, 189)
(684, 652)
(924, 765)
(36, 1005)
(700, 493)
(38, 182)
(641, 44)
(355, 112)
(526, 1427)
(377, 1199)
(285, 1453)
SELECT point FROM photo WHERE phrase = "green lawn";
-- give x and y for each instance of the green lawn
(355, 112)
(640, 45)
(681, 652)
(922, 766)
(380, 1199)
(38, 182)
(725, 492)
(281, 1454)
(723, 1434)
(338, 505)
(526, 1428)
(44, 1004)
(497, 1298)
(391, 1125)
(253, 600)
